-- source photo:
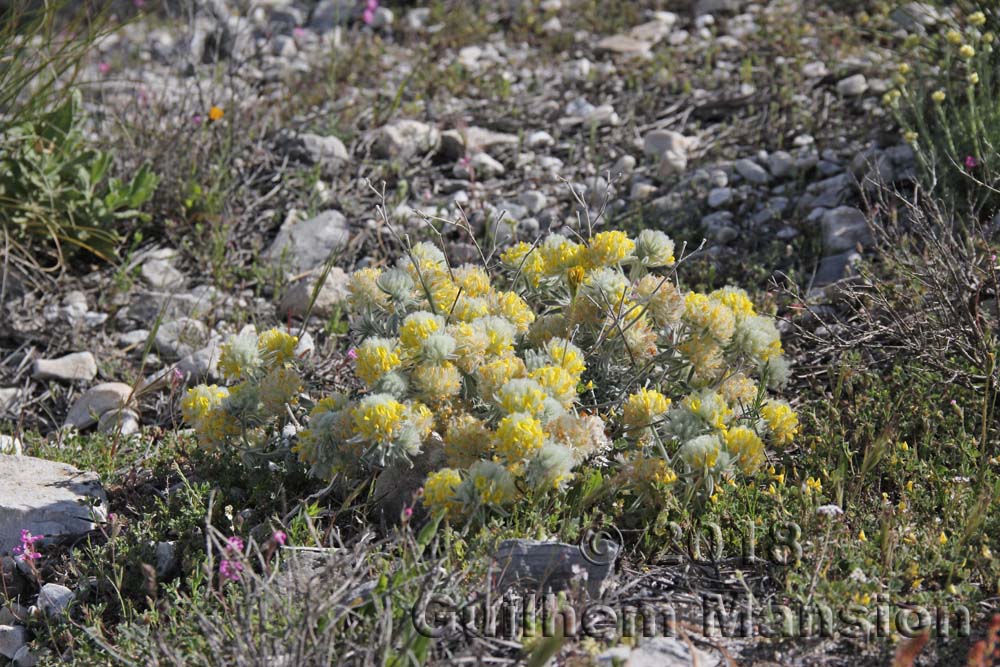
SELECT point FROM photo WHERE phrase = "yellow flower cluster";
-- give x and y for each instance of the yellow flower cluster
(494, 372)
(266, 383)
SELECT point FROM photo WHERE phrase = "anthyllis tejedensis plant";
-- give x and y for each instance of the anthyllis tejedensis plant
(249, 414)
(577, 354)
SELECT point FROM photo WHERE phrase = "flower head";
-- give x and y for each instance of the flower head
(375, 357)
(653, 248)
(215, 113)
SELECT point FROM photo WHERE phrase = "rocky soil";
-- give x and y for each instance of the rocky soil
(751, 132)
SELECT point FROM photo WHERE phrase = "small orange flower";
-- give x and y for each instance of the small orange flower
(216, 113)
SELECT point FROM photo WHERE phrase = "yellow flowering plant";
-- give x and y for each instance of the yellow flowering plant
(251, 412)
(571, 355)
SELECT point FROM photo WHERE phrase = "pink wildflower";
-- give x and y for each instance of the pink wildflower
(280, 537)
(971, 162)
(352, 354)
(27, 548)
(103, 67)
(230, 567)
(369, 14)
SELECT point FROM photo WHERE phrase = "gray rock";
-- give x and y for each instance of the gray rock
(624, 165)
(403, 139)
(119, 422)
(533, 200)
(201, 365)
(328, 151)
(148, 306)
(480, 167)
(333, 293)
(752, 172)
(12, 639)
(166, 558)
(915, 17)
(25, 658)
(287, 16)
(331, 13)
(658, 143)
(717, 6)
(54, 598)
(303, 246)
(781, 164)
(178, 338)
(718, 178)
(132, 338)
(284, 46)
(10, 445)
(625, 44)
(8, 399)
(539, 139)
(74, 306)
(853, 86)
(816, 69)
(719, 197)
(78, 366)
(534, 565)
(668, 652)
(715, 221)
(836, 267)
(726, 234)
(656, 30)
(844, 228)
(157, 268)
(47, 498)
(457, 143)
(416, 19)
(642, 191)
(382, 17)
(96, 401)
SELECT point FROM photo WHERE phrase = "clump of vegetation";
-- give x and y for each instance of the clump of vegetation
(945, 102)
(55, 187)
(519, 387)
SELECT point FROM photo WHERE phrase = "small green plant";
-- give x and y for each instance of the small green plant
(55, 188)
(945, 101)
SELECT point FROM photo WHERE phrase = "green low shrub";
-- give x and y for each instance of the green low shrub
(55, 187)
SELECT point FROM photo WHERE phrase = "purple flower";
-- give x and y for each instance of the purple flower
(230, 569)
(139, 4)
(352, 354)
(196, 119)
(27, 548)
(280, 537)
(103, 67)
(369, 14)
(971, 162)
(229, 566)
